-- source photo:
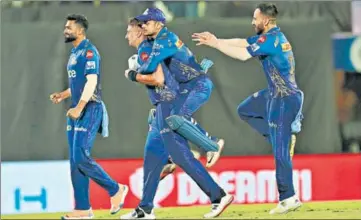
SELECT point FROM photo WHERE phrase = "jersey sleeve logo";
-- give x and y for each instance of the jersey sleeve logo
(179, 43)
(89, 54)
(144, 56)
(254, 47)
(262, 39)
(286, 47)
(90, 65)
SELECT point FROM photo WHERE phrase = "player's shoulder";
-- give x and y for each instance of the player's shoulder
(168, 36)
(271, 36)
(145, 50)
(148, 44)
(282, 42)
(91, 49)
(267, 37)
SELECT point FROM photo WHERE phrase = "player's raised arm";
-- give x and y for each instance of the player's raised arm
(206, 38)
(238, 42)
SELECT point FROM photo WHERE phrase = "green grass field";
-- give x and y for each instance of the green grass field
(312, 210)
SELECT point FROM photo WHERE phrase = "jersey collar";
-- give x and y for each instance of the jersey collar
(81, 45)
(274, 29)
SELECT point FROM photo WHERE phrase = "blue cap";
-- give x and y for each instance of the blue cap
(152, 14)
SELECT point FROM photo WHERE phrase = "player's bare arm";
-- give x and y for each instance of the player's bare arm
(88, 92)
(238, 42)
(58, 97)
(154, 79)
(208, 39)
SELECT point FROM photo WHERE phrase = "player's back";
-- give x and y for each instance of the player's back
(182, 63)
(171, 87)
(284, 64)
(83, 60)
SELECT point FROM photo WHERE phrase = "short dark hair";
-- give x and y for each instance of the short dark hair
(135, 22)
(268, 9)
(79, 19)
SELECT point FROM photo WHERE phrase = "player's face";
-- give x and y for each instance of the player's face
(259, 21)
(133, 33)
(151, 28)
(71, 31)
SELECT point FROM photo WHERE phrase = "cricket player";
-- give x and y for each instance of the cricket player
(275, 112)
(174, 145)
(137, 39)
(193, 80)
(86, 117)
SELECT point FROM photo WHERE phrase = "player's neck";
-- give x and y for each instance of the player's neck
(269, 27)
(78, 41)
(138, 42)
(156, 34)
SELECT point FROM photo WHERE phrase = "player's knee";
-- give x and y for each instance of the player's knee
(81, 159)
(282, 159)
(180, 160)
(241, 110)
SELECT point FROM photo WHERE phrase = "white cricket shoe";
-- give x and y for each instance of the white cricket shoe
(117, 201)
(287, 205)
(218, 208)
(138, 213)
(212, 157)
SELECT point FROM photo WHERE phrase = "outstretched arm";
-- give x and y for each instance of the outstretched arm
(237, 42)
(235, 48)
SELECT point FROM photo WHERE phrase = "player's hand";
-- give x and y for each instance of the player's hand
(56, 98)
(74, 113)
(205, 38)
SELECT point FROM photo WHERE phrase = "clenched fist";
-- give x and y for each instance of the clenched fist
(56, 98)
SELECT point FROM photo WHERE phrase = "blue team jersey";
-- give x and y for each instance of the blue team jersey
(83, 60)
(275, 53)
(156, 94)
(168, 48)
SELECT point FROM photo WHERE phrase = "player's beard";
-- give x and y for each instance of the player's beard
(70, 38)
(259, 29)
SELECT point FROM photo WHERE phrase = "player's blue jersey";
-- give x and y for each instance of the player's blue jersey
(176, 55)
(156, 94)
(275, 53)
(83, 60)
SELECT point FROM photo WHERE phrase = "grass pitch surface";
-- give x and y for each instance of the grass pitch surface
(311, 210)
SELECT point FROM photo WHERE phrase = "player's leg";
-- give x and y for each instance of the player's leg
(282, 113)
(86, 129)
(155, 157)
(183, 157)
(78, 179)
(185, 125)
(253, 110)
(198, 96)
